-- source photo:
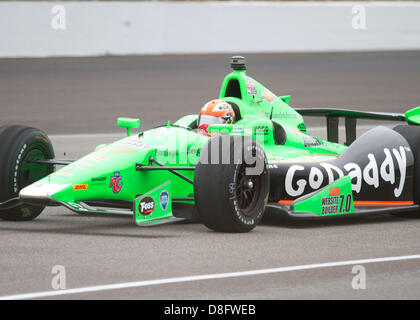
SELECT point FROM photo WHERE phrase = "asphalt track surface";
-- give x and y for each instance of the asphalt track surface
(75, 99)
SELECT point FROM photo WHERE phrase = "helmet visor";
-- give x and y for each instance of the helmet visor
(208, 119)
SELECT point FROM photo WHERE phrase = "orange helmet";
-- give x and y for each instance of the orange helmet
(216, 112)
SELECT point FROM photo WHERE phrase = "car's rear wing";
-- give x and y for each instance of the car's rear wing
(332, 115)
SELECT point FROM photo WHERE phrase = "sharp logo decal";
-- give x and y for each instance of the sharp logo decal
(164, 200)
(146, 206)
(116, 183)
(98, 180)
(372, 174)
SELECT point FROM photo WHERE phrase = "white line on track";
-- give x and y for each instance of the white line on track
(156, 282)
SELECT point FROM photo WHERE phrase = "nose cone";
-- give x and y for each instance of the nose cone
(40, 192)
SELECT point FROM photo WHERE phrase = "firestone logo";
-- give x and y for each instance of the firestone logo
(116, 183)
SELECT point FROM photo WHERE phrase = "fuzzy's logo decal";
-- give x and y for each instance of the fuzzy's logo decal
(116, 183)
(146, 206)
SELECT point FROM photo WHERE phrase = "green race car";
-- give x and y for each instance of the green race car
(246, 152)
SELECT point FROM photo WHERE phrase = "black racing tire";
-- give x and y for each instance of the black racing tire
(411, 133)
(228, 196)
(18, 144)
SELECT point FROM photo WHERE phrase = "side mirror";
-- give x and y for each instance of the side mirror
(128, 123)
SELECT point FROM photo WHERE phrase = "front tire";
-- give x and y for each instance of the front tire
(231, 184)
(19, 144)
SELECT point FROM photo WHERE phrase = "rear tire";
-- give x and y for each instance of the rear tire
(228, 196)
(412, 135)
(18, 144)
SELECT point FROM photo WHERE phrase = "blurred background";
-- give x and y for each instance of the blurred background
(74, 66)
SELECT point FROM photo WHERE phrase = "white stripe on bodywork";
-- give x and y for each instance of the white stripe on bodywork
(41, 190)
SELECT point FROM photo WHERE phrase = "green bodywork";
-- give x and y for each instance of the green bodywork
(109, 173)
(413, 115)
(335, 199)
(155, 206)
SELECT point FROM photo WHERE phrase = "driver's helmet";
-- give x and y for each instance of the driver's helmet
(215, 112)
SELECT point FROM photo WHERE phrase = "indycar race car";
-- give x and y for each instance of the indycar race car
(226, 178)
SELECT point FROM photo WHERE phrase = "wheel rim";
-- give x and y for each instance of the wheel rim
(31, 172)
(248, 190)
